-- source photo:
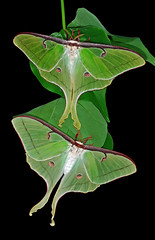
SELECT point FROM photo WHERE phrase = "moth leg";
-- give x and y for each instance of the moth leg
(80, 35)
(87, 40)
(78, 39)
(78, 134)
(72, 35)
(86, 139)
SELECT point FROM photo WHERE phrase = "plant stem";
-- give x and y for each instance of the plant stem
(63, 14)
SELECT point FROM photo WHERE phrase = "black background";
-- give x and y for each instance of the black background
(121, 207)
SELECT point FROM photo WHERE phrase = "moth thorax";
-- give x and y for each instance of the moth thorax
(74, 154)
(72, 52)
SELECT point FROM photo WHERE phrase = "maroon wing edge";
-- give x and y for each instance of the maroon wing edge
(73, 142)
(76, 43)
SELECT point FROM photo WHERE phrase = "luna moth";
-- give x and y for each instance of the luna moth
(54, 156)
(76, 67)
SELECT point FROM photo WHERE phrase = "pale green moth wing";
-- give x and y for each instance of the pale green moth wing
(73, 84)
(45, 58)
(83, 167)
(34, 136)
(103, 168)
(76, 67)
(107, 63)
(46, 151)
(91, 169)
(76, 180)
(51, 171)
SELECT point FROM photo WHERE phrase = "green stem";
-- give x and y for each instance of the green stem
(63, 14)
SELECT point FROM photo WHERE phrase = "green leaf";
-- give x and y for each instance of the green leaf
(85, 18)
(92, 120)
(49, 86)
(59, 34)
(90, 26)
(94, 34)
(109, 144)
(135, 44)
(98, 98)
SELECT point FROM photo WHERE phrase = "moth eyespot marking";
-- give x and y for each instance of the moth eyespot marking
(86, 74)
(58, 69)
(103, 54)
(51, 164)
(79, 176)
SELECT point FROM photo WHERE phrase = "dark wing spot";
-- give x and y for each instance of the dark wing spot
(79, 176)
(51, 164)
(86, 74)
(58, 69)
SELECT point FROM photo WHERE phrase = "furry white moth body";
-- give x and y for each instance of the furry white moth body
(73, 154)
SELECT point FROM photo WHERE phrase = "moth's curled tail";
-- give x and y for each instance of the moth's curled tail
(64, 115)
(74, 117)
(52, 222)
